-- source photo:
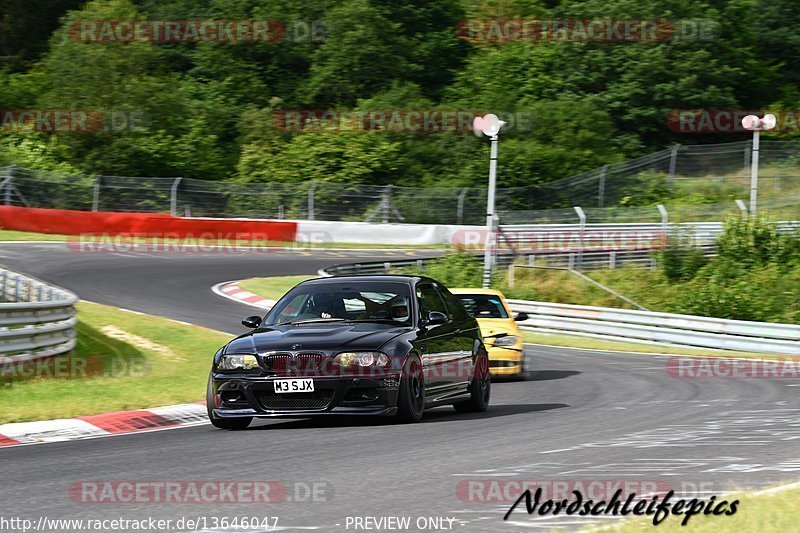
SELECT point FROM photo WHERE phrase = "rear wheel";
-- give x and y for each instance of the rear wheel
(411, 397)
(480, 389)
(223, 423)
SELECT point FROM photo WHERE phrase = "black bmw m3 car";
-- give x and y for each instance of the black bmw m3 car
(356, 345)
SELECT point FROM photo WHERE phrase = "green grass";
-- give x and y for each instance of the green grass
(272, 288)
(589, 343)
(12, 235)
(165, 362)
(765, 513)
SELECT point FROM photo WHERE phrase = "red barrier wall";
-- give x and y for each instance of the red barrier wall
(66, 222)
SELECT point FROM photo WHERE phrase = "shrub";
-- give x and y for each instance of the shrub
(756, 242)
(679, 260)
(458, 269)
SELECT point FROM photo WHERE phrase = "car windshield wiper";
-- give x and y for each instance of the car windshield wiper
(310, 321)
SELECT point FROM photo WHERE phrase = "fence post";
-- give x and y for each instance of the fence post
(511, 275)
(4, 294)
(673, 163)
(664, 218)
(582, 235)
(612, 259)
(460, 208)
(601, 193)
(9, 181)
(747, 152)
(96, 193)
(387, 201)
(311, 192)
(173, 197)
(17, 287)
(742, 207)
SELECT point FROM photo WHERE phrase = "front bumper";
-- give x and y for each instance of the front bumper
(505, 361)
(245, 396)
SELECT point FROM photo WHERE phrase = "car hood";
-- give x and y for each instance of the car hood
(315, 338)
(495, 326)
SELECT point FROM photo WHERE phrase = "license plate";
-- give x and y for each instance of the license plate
(294, 385)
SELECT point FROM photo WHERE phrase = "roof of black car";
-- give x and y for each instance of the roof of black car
(367, 277)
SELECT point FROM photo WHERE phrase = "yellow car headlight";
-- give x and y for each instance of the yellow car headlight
(506, 341)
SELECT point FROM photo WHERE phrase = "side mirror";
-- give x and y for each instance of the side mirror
(252, 322)
(521, 317)
(435, 318)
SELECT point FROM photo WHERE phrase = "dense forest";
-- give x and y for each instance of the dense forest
(207, 109)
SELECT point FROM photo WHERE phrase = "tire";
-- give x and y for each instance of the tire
(223, 423)
(480, 389)
(411, 397)
(521, 376)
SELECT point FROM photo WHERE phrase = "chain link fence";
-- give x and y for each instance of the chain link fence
(682, 177)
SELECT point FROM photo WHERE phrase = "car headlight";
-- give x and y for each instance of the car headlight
(237, 362)
(506, 340)
(349, 359)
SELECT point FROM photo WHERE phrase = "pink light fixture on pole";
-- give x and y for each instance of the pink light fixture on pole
(490, 126)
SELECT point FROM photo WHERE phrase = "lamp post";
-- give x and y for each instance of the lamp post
(490, 126)
(756, 125)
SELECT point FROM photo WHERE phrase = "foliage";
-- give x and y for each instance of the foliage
(459, 269)
(755, 276)
(756, 242)
(679, 260)
(587, 104)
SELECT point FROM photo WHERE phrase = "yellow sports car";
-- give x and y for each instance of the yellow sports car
(501, 335)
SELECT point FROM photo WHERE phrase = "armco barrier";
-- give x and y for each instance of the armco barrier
(659, 328)
(67, 222)
(643, 327)
(36, 319)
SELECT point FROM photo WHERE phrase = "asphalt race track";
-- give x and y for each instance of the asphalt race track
(579, 415)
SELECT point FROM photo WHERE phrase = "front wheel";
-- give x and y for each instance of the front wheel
(223, 423)
(411, 397)
(480, 389)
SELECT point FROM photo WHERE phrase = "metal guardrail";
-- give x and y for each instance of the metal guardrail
(36, 319)
(659, 328)
(372, 267)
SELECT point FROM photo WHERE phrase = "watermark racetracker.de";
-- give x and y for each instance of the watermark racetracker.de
(538, 30)
(728, 120)
(733, 368)
(541, 240)
(198, 491)
(420, 121)
(61, 367)
(70, 121)
(198, 31)
(193, 243)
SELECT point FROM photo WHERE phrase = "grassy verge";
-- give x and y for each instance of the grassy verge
(123, 361)
(11, 235)
(272, 288)
(774, 512)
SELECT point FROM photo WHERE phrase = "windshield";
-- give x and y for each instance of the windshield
(483, 305)
(361, 301)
